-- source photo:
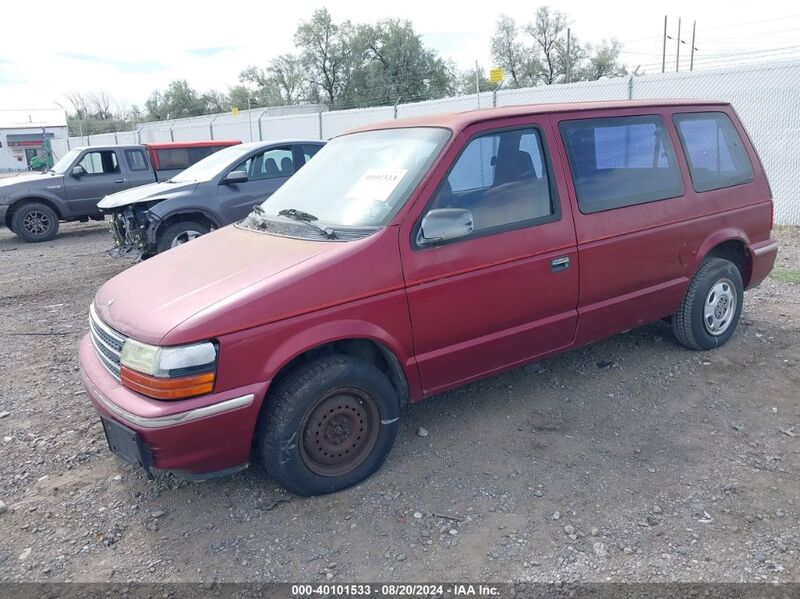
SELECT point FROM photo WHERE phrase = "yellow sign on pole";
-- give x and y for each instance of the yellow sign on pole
(496, 75)
(235, 110)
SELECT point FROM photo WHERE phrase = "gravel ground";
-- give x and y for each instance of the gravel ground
(629, 460)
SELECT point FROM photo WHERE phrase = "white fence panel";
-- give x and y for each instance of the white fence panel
(340, 121)
(585, 91)
(303, 126)
(456, 104)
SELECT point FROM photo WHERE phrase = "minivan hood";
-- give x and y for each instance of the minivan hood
(150, 299)
(146, 193)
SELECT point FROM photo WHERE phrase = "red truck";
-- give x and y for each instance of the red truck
(415, 256)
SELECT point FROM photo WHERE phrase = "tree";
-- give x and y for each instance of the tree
(282, 82)
(466, 81)
(546, 31)
(604, 61)
(518, 61)
(155, 107)
(570, 59)
(179, 100)
(100, 103)
(215, 101)
(80, 104)
(326, 53)
(390, 62)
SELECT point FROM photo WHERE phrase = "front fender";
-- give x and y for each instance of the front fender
(277, 345)
(185, 205)
(45, 195)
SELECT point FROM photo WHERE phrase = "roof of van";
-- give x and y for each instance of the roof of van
(459, 120)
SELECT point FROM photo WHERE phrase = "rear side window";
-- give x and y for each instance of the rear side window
(715, 152)
(620, 161)
(136, 160)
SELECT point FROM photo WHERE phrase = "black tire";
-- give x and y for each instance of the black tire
(174, 231)
(698, 328)
(297, 412)
(35, 222)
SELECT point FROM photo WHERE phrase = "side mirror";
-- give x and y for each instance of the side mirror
(235, 177)
(444, 224)
(78, 171)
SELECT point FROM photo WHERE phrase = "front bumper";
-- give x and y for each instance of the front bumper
(199, 437)
(763, 257)
(3, 211)
(130, 229)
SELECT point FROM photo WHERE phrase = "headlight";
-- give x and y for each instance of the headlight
(168, 372)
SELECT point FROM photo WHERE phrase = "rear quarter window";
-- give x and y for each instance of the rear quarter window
(620, 161)
(714, 150)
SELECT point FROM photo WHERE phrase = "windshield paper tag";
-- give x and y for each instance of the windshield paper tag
(376, 185)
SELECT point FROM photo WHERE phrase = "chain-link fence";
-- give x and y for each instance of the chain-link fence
(766, 96)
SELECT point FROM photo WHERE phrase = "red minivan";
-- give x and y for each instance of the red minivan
(414, 256)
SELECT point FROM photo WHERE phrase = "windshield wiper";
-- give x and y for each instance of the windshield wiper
(304, 217)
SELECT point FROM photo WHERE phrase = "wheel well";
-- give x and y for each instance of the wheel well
(366, 349)
(197, 217)
(19, 203)
(735, 251)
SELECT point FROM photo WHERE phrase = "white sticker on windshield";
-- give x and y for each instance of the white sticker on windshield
(376, 185)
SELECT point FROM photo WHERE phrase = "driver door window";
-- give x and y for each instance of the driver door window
(100, 163)
(270, 164)
(501, 178)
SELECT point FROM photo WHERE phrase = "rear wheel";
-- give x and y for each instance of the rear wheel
(712, 306)
(35, 222)
(328, 425)
(179, 233)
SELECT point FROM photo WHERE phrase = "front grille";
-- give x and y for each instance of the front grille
(107, 342)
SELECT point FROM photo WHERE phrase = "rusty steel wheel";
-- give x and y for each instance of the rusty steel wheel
(339, 432)
(328, 424)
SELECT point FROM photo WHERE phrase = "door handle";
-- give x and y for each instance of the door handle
(119, 180)
(559, 264)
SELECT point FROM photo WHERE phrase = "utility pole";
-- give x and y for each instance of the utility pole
(678, 53)
(249, 116)
(478, 83)
(664, 47)
(566, 67)
(691, 59)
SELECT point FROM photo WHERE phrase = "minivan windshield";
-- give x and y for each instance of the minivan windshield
(358, 180)
(60, 167)
(209, 167)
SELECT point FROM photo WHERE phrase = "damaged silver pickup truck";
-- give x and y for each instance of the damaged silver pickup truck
(218, 190)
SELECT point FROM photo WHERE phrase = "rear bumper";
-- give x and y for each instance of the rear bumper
(763, 256)
(763, 259)
(199, 437)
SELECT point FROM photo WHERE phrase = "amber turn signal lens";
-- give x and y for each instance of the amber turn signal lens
(167, 388)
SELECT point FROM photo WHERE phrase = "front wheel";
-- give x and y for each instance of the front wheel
(328, 425)
(179, 233)
(35, 222)
(710, 311)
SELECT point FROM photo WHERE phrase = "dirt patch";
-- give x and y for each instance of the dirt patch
(631, 459)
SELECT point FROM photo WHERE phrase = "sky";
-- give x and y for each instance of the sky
(70, 47)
